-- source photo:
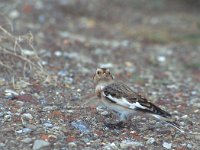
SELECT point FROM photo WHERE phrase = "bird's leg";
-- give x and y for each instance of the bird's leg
(120, 124)
(117, 125)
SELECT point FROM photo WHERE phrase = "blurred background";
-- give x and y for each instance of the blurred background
(89, 33)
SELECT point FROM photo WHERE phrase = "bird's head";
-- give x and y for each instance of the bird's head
(102, 75)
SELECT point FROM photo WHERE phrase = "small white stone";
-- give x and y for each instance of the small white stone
(7, 118)
(9, 92)
(189, 146)
(100, 108)
(20, 103)
(161, 58)
(128, 143)
(194, 92)
(28, 52)
(104, 113)
(72, 144)
(58, 53)
(151, 140)
(2, 145)
(24, 130)
(167, 145)
(107, 65)
(110, 146)
(184, 117)
(14, 14)
(27, 116)
(38, 144)
(49, 108)
(48, 125)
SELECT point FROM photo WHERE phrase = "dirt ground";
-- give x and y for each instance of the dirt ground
(51, 49)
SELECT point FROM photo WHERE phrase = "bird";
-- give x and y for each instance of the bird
(123, 101)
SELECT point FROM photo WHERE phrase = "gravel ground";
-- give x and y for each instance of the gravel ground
(152, 46)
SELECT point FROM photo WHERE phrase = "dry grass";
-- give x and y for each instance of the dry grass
(18, 57)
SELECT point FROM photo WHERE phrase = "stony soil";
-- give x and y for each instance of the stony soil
(152, 46)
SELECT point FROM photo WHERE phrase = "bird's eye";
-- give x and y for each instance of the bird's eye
(98, 72)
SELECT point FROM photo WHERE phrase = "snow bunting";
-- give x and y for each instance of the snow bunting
(120, 98)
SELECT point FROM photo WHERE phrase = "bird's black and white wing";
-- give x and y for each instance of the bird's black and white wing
(122, 95)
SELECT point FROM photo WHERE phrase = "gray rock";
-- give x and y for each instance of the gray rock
(82, 126)
(7, 117)
(151, 140)
(110, 146)
(72, 145)
(38, 144)
(26, 140)
(49, 108)
(106, 65)
(104, 113)
(2, 145)
(161, 59)
(63, 72)
(129, 143)
(1, 114)
(24, 130)
(14, 14)
(58, 53)
(27, 116)
(167, 145)
(189, 146)
(48, 124)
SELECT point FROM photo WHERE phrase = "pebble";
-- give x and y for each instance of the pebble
(9, 94)
(184, 117)
(110, 146)
(63, 73)
(27, 116)
(1, 114)
(129, 143)
(28, 52)
(20, 103)
(197, 136)
(100, 108)
(194, 92)
(7, 117)
(107, 65)
(71, 55)
(189, 146)
(24, 130)
(80, 125)
(104, 113)
(49, 108)
(151, 140)
(167, 145)
(161, 59)
(75, 97)
(58, 53)
(26, 140)
(2, 81)
(72, 145)
(38, 144)
(48, 124)
(14, 14)
(2, 145)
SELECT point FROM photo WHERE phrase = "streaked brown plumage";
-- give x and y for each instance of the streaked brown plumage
(120, 98)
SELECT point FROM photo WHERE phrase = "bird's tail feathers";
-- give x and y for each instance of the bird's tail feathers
(170, 121)
(175, 125)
